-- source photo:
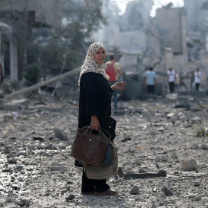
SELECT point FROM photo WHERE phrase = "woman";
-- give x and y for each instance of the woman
(95, 106)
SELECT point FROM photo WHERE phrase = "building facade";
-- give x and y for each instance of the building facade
(197, 13)
(47, 12)
(38, 14)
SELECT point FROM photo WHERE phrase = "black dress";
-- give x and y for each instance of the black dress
(95, 100)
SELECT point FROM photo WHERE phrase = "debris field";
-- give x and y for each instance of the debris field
(162, 148)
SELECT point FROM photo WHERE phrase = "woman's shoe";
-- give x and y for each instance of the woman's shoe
(106, 193)
(88, 193)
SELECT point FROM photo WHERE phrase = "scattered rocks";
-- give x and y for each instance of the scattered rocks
(23, 202)
(197, 198)
(7, 170)
(194, 146)
(135, 190)
(57, 168)
(60, 134)
(191, 196)
(12, 161)
(19, 167)
(70, 197)
(50, 136)
(174, 155)
(40, 146)
(126, 140)
(204, 147)
(15, 186)
(42, 169)
(187, 125)
(188, 165)
(197, 183)
(38, 139)
(153, 133)
(31, 146)
(161, 129)
(120, 172)
(166, 191)
(69, 182)
(196, 120)
(183, 105)
(161, 159)
(170, 115)
(176, 173)
(203, 166)
(50, 147)
(154, 206)
(21, 153)
(142, 170)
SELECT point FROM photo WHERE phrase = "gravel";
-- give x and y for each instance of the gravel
(37, 170)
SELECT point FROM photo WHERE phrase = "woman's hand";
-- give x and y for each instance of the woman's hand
(118, 86)
(94, 123)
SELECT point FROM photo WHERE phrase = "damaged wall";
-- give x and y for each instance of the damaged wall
(170, 22)
(128, 32)
(161, 40)
(197, 22)
(197, 13)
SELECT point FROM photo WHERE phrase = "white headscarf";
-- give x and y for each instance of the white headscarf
(90, 65)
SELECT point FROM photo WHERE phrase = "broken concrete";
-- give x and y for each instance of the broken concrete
(37, 166)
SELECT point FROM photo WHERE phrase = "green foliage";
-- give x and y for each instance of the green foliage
(92, 15)
(68, 43)
(32, 75)
(201, 132)
(6, 117)
(64, 46)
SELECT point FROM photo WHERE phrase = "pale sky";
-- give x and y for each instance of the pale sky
(158, 3)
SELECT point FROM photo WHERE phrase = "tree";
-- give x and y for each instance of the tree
(70, 41)
(64, 44)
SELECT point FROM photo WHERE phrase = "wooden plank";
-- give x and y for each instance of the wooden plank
(50, 81)
(161, 173)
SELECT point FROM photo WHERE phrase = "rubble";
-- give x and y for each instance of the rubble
(161, 173)
(166, 191)
(35, 164)
(135, 190)
(188, 165)
(204, 147)
(60, 134)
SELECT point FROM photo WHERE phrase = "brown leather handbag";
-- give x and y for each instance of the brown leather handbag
(103, 172)
(90, 148)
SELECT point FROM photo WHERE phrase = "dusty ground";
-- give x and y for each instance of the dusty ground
(37, 171)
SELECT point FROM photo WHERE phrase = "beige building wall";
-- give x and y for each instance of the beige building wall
(51, 10)
(169, 20)
(131, 41)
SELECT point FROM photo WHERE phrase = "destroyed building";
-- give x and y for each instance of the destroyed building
(169, 40)
(127, 31)
(197, 23)
(47, 12)
(38, 15)
(197, 13)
